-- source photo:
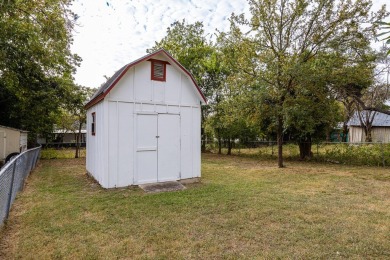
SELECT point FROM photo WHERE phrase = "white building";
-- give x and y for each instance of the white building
(143, 124)
(12, 141)
(380, 131)
(59, 136)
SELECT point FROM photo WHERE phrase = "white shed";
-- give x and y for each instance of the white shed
(143, 124)
(380, 130)
(12, 141)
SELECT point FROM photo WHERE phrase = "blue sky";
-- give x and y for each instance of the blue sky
(111, 35)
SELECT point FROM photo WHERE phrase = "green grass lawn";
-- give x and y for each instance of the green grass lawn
(243, 208)
(68, 153)
(362, 154)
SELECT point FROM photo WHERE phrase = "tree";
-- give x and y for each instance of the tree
(289, 34)
(229, 105)
(310, 113)
(76, 113)
(36, 64)
(374, 96)
(386, 27)
(188, 44)
(365, 86)
(350, 76)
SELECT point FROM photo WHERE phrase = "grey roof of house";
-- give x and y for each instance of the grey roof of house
(380, 119)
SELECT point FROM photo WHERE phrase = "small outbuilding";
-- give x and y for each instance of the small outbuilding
(380, 130)
(63, 136)
(12, 142)
(143, 124)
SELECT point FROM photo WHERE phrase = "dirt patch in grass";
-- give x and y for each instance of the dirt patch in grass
(243, 208)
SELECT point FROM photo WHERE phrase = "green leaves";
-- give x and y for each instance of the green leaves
(385, 26)
(36, 64)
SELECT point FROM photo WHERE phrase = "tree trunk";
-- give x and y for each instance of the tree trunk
(78, 140)
(305, 148)
(345, 133)
(203, 140)
(229, 152)
(202, 130)
(368, 134)
(279, 137)
(219, 142)
(328, 136)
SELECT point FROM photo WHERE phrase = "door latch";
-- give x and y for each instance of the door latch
(157, 136)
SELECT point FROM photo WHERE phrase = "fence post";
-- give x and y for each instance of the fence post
(11, 190)
(36, 158)
(31, 164)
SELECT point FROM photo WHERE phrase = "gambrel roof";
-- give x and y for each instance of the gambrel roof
(111, 82)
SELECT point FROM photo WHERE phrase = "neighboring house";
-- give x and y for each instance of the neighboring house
(380, 129)
(144, 124)
(12, 142)
(63, 136)
(336, 134)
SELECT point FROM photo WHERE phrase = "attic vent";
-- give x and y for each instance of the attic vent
(159, 70)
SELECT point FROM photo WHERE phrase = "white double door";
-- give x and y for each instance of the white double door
(157, 148)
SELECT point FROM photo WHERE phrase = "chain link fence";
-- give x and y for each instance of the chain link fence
(363, 153)
(12, 178)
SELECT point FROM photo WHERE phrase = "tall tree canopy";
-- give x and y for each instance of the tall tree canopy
(386, 33)
(190, 46)
(288, 36)
(36, 64)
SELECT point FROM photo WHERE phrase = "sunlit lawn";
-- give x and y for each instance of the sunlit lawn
(243, 208)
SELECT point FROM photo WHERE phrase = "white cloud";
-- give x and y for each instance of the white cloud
(110, 36)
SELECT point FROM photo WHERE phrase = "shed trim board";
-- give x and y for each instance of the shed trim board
(140, 102)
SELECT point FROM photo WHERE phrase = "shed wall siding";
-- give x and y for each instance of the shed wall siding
(188, 95)
(112, 161)
(11, 143)
(124, 89)
(95, 144)
(379, 134)
(355, 134)
(136, 85)
(121, 146)
(196, 137)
